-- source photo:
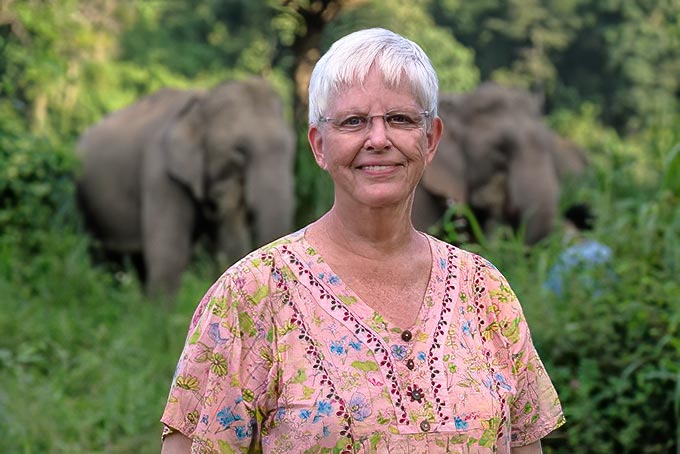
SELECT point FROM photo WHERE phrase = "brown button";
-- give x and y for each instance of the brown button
(425, 426)
(410, 364)
(406, 335)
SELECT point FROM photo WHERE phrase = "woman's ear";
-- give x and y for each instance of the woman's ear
(316, 142)
(434, 135)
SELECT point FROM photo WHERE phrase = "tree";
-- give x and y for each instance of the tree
(620, 54)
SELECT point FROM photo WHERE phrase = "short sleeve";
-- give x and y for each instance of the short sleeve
(535, 409)
(220, 385)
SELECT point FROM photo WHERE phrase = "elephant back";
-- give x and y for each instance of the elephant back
(493, 99)
(130, 127)
(256, 96)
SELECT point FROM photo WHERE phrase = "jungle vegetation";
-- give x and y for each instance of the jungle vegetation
(86, 359)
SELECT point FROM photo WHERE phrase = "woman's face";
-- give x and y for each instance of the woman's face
(373, 163)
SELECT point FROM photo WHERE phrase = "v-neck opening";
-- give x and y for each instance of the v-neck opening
(342, 291)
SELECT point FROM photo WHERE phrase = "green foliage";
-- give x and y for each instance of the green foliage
(612, 350)
(43, 63)
(454, 63)
(213, 36)
(85, 359)
(36, 185)
(671, 177)
(620, 54)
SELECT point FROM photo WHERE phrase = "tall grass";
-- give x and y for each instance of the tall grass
(85, 359)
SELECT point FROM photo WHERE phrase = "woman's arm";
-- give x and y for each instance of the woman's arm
(176, 443)
(533, 448)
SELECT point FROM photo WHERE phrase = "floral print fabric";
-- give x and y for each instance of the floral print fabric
(282, 357)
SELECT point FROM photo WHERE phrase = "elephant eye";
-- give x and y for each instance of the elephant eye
(505, 145)
(239, 156)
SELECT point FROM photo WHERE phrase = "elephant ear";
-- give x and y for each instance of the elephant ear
(183, 147)
(570, 159)
(445, 176)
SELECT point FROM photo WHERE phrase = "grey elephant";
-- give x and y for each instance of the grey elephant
(179, 164)
(498, 157)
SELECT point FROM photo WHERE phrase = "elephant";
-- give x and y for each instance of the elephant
(498, 157)
(178, 165)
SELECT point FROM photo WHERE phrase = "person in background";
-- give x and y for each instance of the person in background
(583, 255)
(358, 333)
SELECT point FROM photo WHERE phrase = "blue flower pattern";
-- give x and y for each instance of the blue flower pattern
(460, 423)
(226, 417)
(399, 351)
(244, 431)
(323, 408)
(356, 345)
(360, 407)
(338, 347)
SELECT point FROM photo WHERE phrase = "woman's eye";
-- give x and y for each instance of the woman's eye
(353, 121)
(399, 119)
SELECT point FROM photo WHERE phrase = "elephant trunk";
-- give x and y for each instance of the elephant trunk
(227, 213)
(269, 192)
(533, 195)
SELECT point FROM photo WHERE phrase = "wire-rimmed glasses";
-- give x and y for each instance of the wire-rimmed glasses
(398, 120)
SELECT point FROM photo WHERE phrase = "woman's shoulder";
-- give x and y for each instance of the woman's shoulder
(463, 257)
(246, 283)
(266, 255)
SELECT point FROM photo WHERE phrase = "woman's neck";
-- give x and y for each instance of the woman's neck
(374, 234)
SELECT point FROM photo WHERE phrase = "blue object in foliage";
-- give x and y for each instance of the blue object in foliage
(588, 254)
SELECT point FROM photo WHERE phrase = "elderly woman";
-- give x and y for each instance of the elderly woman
(358, 333)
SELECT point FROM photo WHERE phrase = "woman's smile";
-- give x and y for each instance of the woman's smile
(379, 169)
(381, 164)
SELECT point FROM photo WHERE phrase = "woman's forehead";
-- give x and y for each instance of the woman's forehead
(375, 75)
(373, 89)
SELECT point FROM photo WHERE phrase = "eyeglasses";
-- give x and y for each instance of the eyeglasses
(399, 120)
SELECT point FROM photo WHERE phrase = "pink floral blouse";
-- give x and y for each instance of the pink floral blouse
(282, 357)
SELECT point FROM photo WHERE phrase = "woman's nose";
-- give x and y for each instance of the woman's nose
(376, 134)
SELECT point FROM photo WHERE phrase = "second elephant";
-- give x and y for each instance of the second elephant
(498, 157)
(181, 163)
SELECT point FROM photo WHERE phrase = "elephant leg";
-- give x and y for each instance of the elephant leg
(229, 221)
(168, 221)
(234, 239)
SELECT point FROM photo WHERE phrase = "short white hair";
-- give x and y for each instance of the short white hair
(350, 58)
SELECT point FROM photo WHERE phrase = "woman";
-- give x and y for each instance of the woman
(359, 333)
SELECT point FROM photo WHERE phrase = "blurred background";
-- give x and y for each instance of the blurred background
(86, 357)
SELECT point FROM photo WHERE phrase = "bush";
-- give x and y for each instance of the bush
(613, 352)
(36, 184)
